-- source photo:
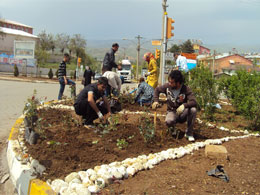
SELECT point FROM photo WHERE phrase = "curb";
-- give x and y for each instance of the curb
(23, 171)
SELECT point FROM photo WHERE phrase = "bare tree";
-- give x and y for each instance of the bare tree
(62, 41)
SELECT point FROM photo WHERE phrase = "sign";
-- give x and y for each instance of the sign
(156, 42)
(191, 56)
(24, 49)
(169, 56)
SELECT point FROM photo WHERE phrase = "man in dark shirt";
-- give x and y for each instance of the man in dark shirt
(144, 94)
(109, 59)
(63, 80)
(91, 102)
(181, 102)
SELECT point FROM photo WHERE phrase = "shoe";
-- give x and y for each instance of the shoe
(190, 138)
(172, 131)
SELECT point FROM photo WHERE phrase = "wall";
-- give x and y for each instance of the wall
(225, 62)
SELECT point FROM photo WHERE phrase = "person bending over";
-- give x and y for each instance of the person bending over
(91, 102)
(144, 94)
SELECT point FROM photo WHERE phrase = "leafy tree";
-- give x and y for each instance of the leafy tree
(41, 55)
(204, 86)
(175, 48)
(62, 41)
(243, 90)
(187, 47)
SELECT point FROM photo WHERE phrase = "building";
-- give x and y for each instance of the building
(254, 58)
(15, 25)
(199, 49)
(17, 32)
(228, 64)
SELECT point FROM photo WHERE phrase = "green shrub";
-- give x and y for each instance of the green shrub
(205, 88)
(71, 74)
(56, 73)
(50, 74)
(243, 90)
(16, 71)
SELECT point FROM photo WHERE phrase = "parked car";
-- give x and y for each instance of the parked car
(97, 75)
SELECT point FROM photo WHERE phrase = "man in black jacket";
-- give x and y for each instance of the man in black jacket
(91, 102)
(109, 59)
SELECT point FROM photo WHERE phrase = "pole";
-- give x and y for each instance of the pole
(213, 68)
(138, 56)
(162, 46)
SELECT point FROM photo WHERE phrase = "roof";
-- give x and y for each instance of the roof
(16, 32)
(13, 22)
(253, 56)
(233, 55)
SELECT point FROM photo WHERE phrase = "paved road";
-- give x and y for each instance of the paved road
(13, 95)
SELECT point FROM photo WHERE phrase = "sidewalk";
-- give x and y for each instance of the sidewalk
(11, 77)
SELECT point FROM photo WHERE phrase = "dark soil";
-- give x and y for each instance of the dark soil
(188, 174)
(65, 146)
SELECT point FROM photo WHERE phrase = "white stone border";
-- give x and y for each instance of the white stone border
(22, 170)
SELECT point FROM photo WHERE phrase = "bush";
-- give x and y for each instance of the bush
(204, 86)
(16, 71)
(71, 74)
(243, 90)
(50, 74)
(56, 73)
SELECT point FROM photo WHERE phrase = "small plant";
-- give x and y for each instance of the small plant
(71, 74)
(16, 71)
(146, 128)
(121, 144)
(30, 109)
(50, 74)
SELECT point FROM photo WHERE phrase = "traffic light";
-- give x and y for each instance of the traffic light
(79, 61)
(157, 54)
(169, 29)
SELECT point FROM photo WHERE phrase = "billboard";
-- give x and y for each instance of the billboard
(24, 49)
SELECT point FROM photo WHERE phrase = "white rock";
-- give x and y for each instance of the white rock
(81, 190)
(100, 182)
(71, 176)
(57, 184)
(130, 171)
(94, 189)
(76, 180)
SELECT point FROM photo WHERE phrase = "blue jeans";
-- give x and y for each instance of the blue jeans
(122, 79)
(143, 101)
(62, 86)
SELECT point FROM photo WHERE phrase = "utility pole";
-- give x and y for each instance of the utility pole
(163, 46)
(213, 68)
(138, 55)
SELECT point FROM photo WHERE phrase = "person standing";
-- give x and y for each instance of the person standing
(91, 102)
(144, 94)
(181, 62)
(109, 59)
(87, 76)
(63, 80)
(152, 75)
(181, 103)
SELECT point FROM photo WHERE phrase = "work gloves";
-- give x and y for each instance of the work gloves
(100, 116)
(155, 105)
(180, 109)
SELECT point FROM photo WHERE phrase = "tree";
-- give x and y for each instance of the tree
(77, 42)
(62, 41)
(187, 47)
(175, 49)
(46, 41)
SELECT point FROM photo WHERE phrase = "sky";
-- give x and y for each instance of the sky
(211, 21)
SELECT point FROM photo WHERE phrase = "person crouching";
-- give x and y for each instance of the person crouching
(144, 94)
(91, 102)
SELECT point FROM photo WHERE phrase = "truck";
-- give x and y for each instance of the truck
(126, 71)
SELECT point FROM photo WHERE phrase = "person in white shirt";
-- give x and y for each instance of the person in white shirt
(114, 82)
(181, 62)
